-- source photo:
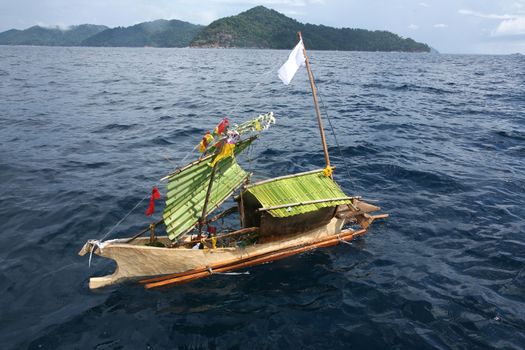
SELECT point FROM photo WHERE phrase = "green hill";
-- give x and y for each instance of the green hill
(160, 33)
(258, 27)
(37, 35)
(261, 27)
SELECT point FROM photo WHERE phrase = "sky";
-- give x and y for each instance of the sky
(450, 26)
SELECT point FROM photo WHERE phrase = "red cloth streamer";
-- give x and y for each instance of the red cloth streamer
(155, 194)
(212, 230)
(219, 130)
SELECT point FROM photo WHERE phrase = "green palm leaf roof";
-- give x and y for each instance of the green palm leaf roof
(187, 189)
(295, 193)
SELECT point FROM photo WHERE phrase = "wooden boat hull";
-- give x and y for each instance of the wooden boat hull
(136, 260)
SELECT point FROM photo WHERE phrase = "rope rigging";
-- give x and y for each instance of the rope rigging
(325, 113)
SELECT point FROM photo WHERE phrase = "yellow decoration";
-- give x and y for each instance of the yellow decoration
(214, 242)
(203, 242)
(257, 125)
(328, 171)
(226, 151)
(206, 141)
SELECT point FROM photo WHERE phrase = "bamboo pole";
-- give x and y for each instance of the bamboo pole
(241, 208)
(305, 203)
(143, 231)
(200, 160)
(227, 235)
(223, 214)
(202, 220)
(316, 103)
(380, 216)
(285, 177)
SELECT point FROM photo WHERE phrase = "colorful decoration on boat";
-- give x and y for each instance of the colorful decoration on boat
(225, 152)
(221, 128)
(190, 185)
(205, 142)
(226, 148)
(155, 194)
(261, 123)
(328, 171)
(233, 137)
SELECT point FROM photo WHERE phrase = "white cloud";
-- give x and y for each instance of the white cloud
(485, 15)
(440, 25)
(60, 26)
(293, 12)
(509, 27)
(205, 16)
(518, 5)
(413, 27)
(424, 4)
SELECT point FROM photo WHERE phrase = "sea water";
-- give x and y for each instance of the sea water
(438, 141)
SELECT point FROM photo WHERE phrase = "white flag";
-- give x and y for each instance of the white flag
(295, 60)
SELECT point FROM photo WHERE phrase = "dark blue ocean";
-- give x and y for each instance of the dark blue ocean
(438, 141)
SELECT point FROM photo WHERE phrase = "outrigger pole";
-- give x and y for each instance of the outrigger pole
(316, 103)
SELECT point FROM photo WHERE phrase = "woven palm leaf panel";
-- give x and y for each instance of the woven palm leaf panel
(304, 187)
(187, 191)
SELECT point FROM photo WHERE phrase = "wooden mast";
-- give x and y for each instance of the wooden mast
(202, 220)
(316, 103)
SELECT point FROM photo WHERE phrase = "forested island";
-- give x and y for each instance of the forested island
(261, 27)
(42, 36)
(258, 27)
(159, 33)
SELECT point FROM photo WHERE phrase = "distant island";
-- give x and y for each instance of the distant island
(258, 27)
(160, 33)
(37, 35)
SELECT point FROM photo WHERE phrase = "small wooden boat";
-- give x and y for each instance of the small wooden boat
(279, 217)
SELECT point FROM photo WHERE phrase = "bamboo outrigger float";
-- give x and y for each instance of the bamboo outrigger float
(279, 217)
